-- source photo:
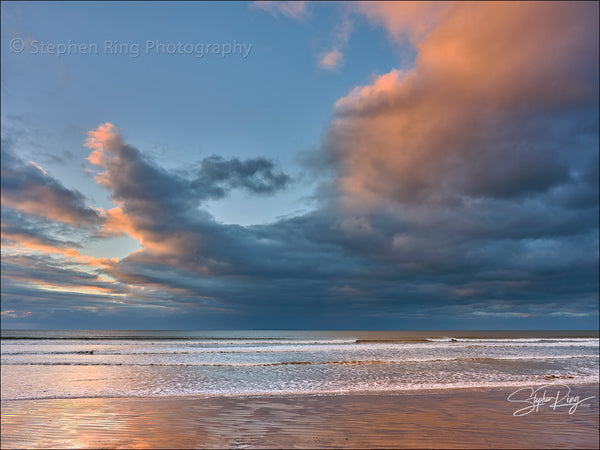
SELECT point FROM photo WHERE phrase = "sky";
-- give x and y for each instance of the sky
(300, 165)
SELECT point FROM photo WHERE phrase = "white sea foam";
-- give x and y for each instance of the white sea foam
(74, 365)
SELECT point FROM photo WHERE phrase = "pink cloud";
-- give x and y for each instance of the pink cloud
(403, 19)
(461, 120)
(331, 60)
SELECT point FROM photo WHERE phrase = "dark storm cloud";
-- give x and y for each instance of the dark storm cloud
(141, 182)
(496, 257)
(217, 176)
(477, 259)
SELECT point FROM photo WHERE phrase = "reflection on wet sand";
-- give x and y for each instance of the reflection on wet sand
(448, 419)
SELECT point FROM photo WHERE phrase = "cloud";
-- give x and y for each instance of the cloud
(28, 188)
(160, 208)
(334, 58)
(41, 215)
(48, 273)
(331, 60)
(15, 315)
(332, 267)
(496, 105)
(290, 9)
(217, 176)
(407, 20)
(214, 178)
(388, 260)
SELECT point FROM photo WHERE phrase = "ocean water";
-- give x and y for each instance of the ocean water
(76, 364)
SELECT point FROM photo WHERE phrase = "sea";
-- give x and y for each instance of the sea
(51, 364)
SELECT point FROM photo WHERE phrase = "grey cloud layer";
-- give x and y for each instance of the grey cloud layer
(486, 255)
(472, 258)
(462, 193)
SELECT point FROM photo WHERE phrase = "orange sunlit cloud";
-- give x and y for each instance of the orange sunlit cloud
(15, 315)
(78, 289)
(45, 202)
(38, 167)
(108, 153)
(411, 135)
(101, 140)
(406, 19)
(32, 243)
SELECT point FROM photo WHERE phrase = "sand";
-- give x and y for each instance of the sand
(457, 418)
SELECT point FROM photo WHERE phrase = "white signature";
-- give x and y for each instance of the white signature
(552, 395)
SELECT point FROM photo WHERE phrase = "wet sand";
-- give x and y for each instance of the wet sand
(458, 418)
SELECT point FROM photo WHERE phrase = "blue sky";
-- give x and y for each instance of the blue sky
(378, 165)
(275, 102)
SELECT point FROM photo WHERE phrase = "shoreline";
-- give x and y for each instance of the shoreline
(324, 393)
(448, 418)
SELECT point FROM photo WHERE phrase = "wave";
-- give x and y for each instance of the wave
(487, 359)
(188, 351)
(78, 352)
(245, 346)
(196, 340)
(293, 340)
(203, 341)
(515, 340)
(359, 389)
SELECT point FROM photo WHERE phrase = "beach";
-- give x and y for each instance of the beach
(451, 418)
(299, 389)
